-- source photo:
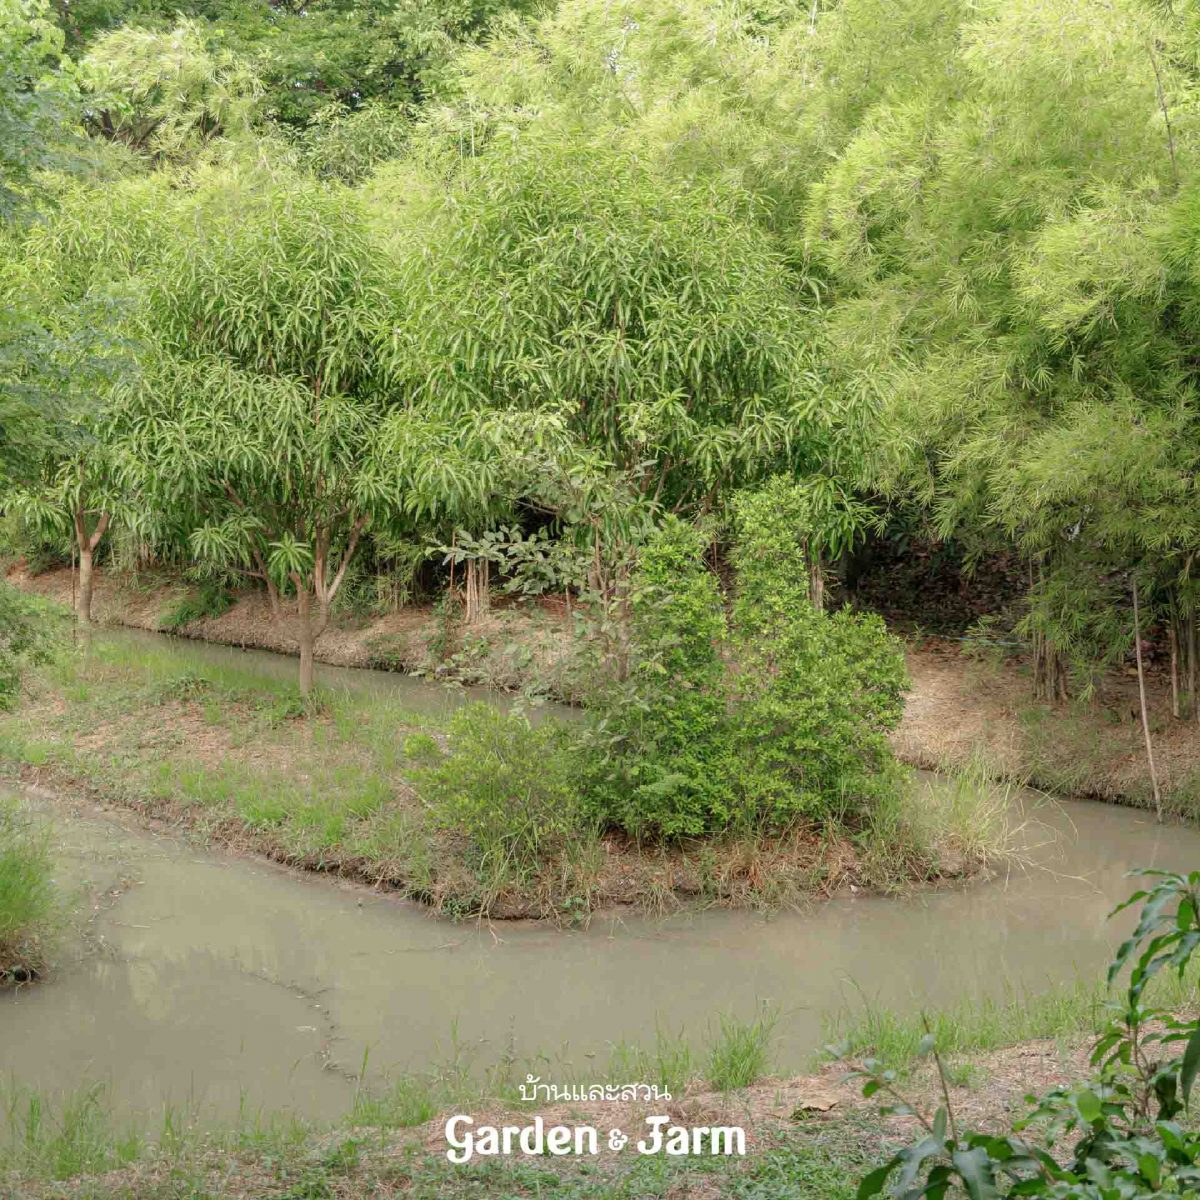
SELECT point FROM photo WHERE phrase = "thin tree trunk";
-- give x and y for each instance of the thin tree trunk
(272, 590)
(305, 638)
(324, 591)
(622, 609)
(1191, 636)
(477, 588)
(1137, 645)
(1174, 638)
(83, 598)
(816, 580)
(87, 544)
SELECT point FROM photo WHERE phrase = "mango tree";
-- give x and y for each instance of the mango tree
(250, 427)
(75, 501)
(65, 276)
(564, 277)
(269, 478)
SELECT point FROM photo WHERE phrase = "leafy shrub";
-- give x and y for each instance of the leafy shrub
(662, 732)
(510, 787)
(26, 886)
(1127, 1130)
(814, 693)
(26, 636)
(779, 715)
(209, 600)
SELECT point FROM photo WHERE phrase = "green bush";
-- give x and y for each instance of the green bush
(26, 636)
(777, 715)
(815, 693)
(510, 787)
(662, 733)
(26, 888)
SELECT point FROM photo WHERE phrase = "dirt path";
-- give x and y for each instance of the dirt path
(961, 710)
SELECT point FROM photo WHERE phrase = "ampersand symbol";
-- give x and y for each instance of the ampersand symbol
(616, 1139)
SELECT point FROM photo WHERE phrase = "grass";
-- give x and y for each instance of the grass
(234, 751)
(27, 894)
(207, 600)
(79, 1148)
(977, 1026)
(371, 1153)
(43, 1140)
(957, 824)
(740, 1051)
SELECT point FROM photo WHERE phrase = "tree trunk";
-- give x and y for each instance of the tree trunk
(816, 580)
(87, 543)
(273, 597)
(1049, 671)
(1191, 636)
(1174, 638)
(478, 595)
(306, 639)
(83, 597)
(1137, 645)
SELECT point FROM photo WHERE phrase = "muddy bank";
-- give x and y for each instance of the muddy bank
(962, 709)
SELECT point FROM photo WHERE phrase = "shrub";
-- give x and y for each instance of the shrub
(662, 732)
(1125, 1133)
(26, 636)
(793, 728)
(26, 888)
(209, 600)
(510, 787)
(814, 693)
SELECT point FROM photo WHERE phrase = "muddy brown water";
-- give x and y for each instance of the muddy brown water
(228, 985)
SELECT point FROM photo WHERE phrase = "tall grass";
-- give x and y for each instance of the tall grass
(27, 896)
(739, 1051)
(45, 1137)
(76, 1136)
(952, 824)
(975, 1026)
(669, 1062)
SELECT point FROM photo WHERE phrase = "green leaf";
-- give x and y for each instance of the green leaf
(1190, 1064)
(873, 1183)
(974, 1168)
(1089, 1107)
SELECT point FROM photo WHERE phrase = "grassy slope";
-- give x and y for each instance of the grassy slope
(962, 709)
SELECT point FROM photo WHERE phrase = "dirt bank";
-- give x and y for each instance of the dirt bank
(807, 1136)
(961, 709)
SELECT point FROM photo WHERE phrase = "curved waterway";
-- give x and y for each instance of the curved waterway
(226, 984)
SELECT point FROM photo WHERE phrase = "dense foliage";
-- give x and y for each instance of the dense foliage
(509, 787)
(773, 717)
(26, 636)
(549, 296)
